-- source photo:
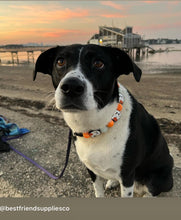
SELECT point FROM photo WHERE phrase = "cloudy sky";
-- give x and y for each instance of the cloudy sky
(65, 22)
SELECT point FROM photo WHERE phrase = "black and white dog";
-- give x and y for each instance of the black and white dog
(116, 138)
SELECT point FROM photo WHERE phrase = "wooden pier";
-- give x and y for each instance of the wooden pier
(29, 50)
(137, 52)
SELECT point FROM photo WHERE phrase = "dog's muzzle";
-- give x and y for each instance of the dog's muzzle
(70, 95)
(72, 87)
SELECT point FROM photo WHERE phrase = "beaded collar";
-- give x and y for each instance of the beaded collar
(115, 117)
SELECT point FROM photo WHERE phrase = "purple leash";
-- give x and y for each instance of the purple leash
(36, 164)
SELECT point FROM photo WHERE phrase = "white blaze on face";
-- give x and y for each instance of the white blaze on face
(88, 96)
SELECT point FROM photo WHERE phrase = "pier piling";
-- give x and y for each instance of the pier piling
(30, 55)
(14, 56)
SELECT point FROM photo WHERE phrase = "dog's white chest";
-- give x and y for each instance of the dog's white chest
(104, 154)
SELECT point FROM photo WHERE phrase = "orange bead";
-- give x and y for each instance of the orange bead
(121, 101)
(86, 135)
(110, 124)
(119, 108)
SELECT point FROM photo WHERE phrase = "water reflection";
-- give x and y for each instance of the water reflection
(161, 62)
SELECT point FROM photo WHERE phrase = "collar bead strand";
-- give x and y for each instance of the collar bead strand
(116, 116)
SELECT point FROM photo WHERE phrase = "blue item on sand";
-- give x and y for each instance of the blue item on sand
(11, 129)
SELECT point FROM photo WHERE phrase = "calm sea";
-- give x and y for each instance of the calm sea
(164, 62)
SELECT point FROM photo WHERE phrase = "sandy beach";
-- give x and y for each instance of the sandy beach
(28, 104)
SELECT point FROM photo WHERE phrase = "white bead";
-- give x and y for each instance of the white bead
(121, 97)
(117, 115)
(95, 133)
(121, 100)
(104, 130)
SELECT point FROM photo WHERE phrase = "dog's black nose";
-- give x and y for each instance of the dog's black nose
(72, 87)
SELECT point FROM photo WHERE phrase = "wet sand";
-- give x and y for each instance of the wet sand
(28, 104)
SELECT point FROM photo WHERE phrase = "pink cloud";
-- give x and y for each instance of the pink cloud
(173, 2)
(59, 33)
(68, 36)
(113, 5)
(113, 15)
(52, 33)
(61, 36)
(44, 23)
(150, 2)
(46, 14)
(67, 14)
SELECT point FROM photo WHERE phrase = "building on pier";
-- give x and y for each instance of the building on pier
(113, 36)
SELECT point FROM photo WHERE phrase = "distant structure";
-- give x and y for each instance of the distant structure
(15, 49)
(12, 46)
(113, 36)
(162, 41)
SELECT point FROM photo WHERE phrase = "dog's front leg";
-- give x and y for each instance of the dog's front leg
(127, 184)
(99, 187)
(127, 192)
(98, 184)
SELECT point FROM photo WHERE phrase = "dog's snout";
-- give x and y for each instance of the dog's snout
(72, 87)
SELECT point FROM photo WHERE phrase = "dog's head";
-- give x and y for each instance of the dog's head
(85, 76)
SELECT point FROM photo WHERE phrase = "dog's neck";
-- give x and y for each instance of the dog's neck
(84, 121)
(91, 123)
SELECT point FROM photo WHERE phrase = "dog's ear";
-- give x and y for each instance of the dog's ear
(124, 64)
(44, 63)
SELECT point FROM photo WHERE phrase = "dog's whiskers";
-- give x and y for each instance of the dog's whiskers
(54, 107)
(50, 94)
(51, 103)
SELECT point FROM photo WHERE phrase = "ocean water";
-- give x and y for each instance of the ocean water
(164, 62)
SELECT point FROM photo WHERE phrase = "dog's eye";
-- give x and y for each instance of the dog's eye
(98, 64)
(61, 62)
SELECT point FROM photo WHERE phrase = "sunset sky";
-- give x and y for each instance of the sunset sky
(65, 22)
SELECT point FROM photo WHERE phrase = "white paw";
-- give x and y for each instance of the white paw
(147, 195)
(111, 184)
(99, 195)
